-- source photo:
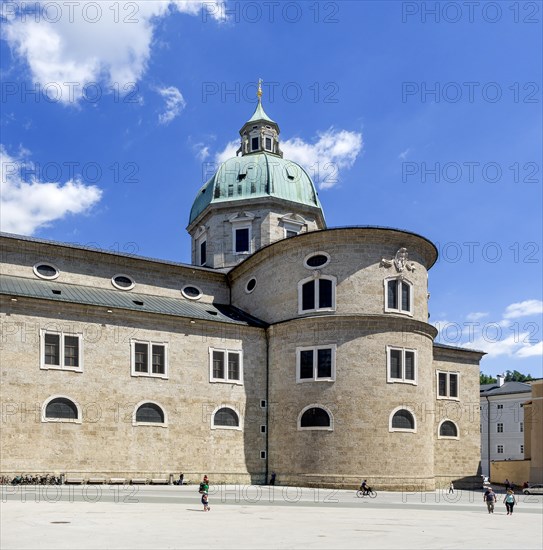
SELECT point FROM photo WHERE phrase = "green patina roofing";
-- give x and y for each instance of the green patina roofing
(260, 114)
(125, 300)
(253, 176)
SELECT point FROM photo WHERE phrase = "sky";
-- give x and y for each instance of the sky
(423, 116)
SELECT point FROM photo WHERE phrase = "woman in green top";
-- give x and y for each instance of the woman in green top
(510, 501)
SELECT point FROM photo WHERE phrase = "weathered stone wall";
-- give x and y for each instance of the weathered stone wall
(106, 442)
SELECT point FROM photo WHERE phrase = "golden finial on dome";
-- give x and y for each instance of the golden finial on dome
(259, 92)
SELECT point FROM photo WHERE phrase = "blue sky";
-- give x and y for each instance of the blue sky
(421, 116)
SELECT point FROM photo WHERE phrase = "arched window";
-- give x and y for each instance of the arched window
(61, 409)
(149, 413)
(317, 294)
(315, 417)
(448, 429)
(225, 417)
(402, 420)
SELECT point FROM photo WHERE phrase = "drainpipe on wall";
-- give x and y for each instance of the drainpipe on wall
(488, 432)
(267, 403)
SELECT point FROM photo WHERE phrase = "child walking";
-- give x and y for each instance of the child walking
(205, 502)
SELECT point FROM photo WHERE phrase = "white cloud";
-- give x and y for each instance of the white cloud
(531, 351)
(175, 103)
(201, 150)
(109, 47)
(476, 315)
(403, 154)
(333, 151)
(523, 309)
(27, 205)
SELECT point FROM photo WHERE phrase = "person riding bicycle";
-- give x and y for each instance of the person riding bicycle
(365, 487)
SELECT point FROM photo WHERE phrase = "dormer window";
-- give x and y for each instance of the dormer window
(254, 144)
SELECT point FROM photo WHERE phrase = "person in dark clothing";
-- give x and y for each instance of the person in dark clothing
(272, 478)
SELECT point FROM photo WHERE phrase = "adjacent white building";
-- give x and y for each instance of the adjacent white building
(502, 421)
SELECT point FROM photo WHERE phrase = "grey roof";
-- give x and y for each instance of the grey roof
(506, 389)
(446, 346)
(125, 300)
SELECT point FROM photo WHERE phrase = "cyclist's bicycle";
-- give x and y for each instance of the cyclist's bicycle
(369, 492)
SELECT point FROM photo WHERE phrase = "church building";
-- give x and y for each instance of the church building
(285, 346)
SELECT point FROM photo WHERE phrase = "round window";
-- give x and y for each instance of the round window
(123, 282)
(46, 271)
(251, 284)
(191, 292)
(317, 260)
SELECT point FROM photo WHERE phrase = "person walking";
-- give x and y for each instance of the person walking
(490, 499)
(205, 502)
(451, 488)
(510, 501)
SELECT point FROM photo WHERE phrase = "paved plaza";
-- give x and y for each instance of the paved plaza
(115, 517)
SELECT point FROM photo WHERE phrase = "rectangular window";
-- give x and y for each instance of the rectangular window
(149, 359)
(522, 449)
(203, 253)
(398, 296)
(499, 427)
(254, 144)
(316, 364)
(499, 406)
(447, 385)
(402, 365)
(242, 240)
(316, 294)
(268, 144)
(521, 426)
(61, 351)
(500, 449)
(226, 366)
(263, 454)
(262, 428)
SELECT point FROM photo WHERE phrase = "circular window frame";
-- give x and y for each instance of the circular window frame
(46, 277)
(247, 291)
(119, 287)
(200, 293)
(319, 253)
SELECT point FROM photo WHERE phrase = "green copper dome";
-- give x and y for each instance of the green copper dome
(254, 176)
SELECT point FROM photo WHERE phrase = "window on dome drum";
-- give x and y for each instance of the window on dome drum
(226, 366)
(46, 271)
(499, 427)
(254, 144)
(402, 365)
(315, 418)
(203, 253)
(242, 240)
(149, 359)
(315, 261)
(402, 420)
(268, 144)
(61, 351)
(448, 429)
(317, 294)
(149, 413)
(191, 292)
(317, 363)
(398, 296)
(226, 418)
(61, 408)
(447, 385)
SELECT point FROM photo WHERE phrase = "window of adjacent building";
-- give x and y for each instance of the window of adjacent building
(61, 350)
(123, 282)
(317, 294)
(499, 427)
(522, 448)
(398, 296)
(447, 385)
(242, 240)
(521, 426)
(226, 366)
(46, 271)
(61, 409)
(500, 406)
(448, 429)
(402, 420)
(402, 365)
(225, 417)
(149, 359)
(500, 449)
(254, 144)
(315, 417)
(149, 413)
(316, 363)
